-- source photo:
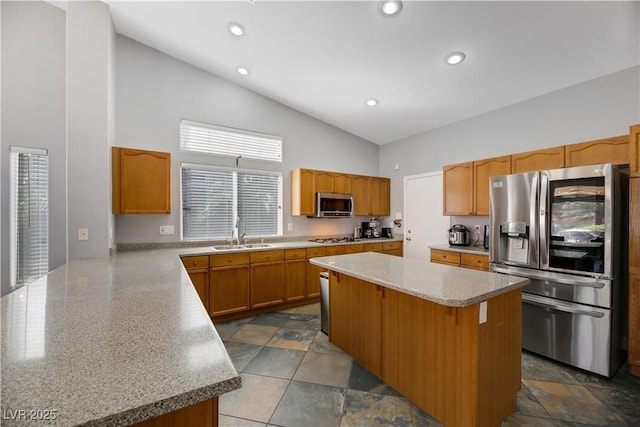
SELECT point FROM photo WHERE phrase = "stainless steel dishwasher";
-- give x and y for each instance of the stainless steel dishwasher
(324, 302)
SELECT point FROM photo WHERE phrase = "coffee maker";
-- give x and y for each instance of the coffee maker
(370, 229)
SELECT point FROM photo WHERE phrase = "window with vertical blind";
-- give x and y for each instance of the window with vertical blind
(29, 214)
(212, 200)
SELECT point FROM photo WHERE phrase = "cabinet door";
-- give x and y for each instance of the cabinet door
(634, 225)
(476, 262)
(295, 279)
(445, 257)
(228, 289)
(324, 182)
(634, 324)
(392, 248)
(458, 189)
(141, 181)
(482, 171)
(342, 183)
(550, 158)
(634, 149)
(303, 193)
(355, 323)
(353, 249)
(267, 284)
(200, 280)
(361, 195)
(313, 280)
(610, 150)
(380, 197)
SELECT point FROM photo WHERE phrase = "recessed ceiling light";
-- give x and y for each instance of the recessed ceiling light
(454, 58)
(243, 71)
(372, 102)
(236, 29)
(390, 7)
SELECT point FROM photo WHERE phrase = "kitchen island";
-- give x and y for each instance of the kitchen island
(447, 338)
(112, 341)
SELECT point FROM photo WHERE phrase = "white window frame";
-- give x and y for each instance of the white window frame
(13, 217)
(235, 171)
(226, 141)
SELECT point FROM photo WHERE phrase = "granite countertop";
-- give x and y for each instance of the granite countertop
(442, 284)
(110, 341)
(476, 250)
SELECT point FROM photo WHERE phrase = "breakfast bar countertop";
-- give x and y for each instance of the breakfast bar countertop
(109, 341)
(442, 284)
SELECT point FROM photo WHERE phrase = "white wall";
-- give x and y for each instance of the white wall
(90, 91)
(599, 108)
(33, 110)
(154, 91)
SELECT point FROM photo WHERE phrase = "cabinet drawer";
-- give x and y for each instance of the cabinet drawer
(295, 254)
(479, 262)
(201, 261)
(445, 257)
(228, 259)
(266, 256)
(389, 246)
(335, 250)
(353, 249)
(371, 247)
(314, 252)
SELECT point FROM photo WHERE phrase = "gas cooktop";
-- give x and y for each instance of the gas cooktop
(333, 240)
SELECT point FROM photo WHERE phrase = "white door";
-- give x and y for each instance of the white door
(424, 224)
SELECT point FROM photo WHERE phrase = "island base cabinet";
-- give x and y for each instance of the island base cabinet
(204, 414)
(356, 320)
(460, 371)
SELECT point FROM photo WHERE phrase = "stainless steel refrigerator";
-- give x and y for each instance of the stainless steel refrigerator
(566, 230)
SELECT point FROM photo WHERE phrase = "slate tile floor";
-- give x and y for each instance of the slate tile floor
(293, 376)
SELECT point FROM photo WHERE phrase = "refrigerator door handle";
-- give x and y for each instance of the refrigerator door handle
(542, 219)
(577, 281)
(559, 307)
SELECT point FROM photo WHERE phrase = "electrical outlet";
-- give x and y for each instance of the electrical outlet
(83, 234)
(476, 228)
(166, 229)
(290, 226)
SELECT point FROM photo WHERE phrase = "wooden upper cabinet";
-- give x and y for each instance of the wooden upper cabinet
(550, 158)
(458, 189)
(380, 196)
(342, 183)
(610, 150)
(141, 181)
(303, 193)
(360, 187)
(324, 182)
(482, 171)
(634, 150)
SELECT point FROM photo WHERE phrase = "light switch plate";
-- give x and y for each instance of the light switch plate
(166, 229)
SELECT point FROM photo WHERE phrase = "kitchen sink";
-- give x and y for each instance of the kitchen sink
(257, 245)
(227, 247)
(236, 247)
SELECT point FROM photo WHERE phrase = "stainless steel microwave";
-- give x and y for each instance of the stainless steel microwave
(334, 205)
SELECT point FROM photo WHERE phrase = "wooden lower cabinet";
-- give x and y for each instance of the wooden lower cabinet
(392, 248)
(203, 414)
(267, 284)
(228, 289)
(444, 361)
(460, 259)
(460, 371)
(356, 319)
(295, 274)
(313, 272)
(198, 270)
(634, 324)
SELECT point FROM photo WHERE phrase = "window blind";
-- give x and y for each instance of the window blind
(213, 198)
(29, 216)
(224, 141)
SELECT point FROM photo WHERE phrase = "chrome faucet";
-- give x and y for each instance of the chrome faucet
(236, 231)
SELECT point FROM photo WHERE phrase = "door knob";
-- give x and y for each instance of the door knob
(409, 238)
